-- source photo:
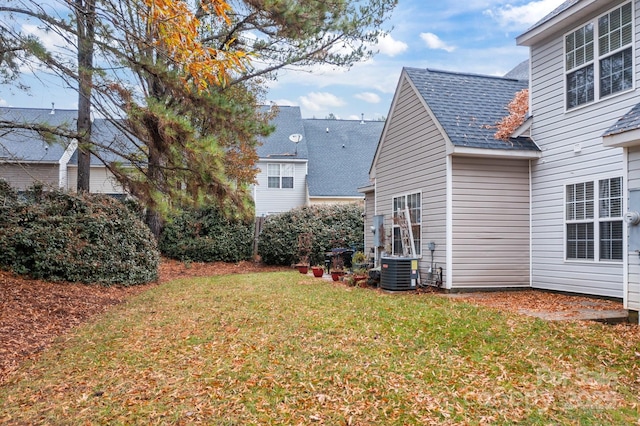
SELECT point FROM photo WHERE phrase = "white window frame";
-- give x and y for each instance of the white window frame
(598, 218)
(416, 227)
(598, 58)
(284, 170)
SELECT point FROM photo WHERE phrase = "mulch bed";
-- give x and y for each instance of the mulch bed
(33, 313)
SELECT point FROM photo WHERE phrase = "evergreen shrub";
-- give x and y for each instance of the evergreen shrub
(58, 236)
(332, 226)
(206, 235)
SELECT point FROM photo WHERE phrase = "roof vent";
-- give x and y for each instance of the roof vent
(327, 130)
(362, 121)
(53, 108)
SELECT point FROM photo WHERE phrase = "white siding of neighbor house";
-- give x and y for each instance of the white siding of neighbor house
(558, 133)
(101, 181)
(23, 176)
(412, 159)
(277, 200)
(633, 274)
(490, 223)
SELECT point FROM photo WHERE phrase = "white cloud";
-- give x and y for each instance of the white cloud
(433, 42)
(320, 101)
(388, 46)
(3, 103)
(52, 41)
(523, 16)
(368, 97)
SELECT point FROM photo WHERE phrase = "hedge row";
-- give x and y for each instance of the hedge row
(58, 236)
(331, 226)
(205, 235)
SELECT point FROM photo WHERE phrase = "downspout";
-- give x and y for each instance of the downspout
(449, 223)
(530, 227)
(625, 230)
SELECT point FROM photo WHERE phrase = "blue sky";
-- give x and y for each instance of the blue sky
(476, 36)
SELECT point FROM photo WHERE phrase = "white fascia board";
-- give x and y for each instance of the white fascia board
(563, 21)
(282, 160)
(622, 140)
(524, 128)
(494, 153)
(367, 189)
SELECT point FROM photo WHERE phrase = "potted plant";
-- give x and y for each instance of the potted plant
(360, 260)
(304, 249)
(360, 277)
(318, 271)
(337, 268)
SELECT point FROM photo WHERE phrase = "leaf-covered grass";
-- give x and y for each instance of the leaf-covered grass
(279, 348)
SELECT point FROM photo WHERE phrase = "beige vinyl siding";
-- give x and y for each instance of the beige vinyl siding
(558, 132)
(23, 176)
(101, 181)
(633, 287)
(490, 222)
(277, 200)
(412, 159)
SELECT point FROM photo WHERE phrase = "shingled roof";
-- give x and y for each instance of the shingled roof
(555, 12)
(340, 155)
(27, 145)
(629, 121)
(468, 106)
(277, 145)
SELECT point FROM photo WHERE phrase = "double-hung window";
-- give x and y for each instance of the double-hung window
(594, 220)
(599, 57)
(280, 175)
(414, 203)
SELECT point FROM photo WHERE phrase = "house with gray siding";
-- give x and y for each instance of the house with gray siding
(466, 192)
(555, 208)
(583, 81)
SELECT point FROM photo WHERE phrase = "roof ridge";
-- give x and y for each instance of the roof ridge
(464, 74)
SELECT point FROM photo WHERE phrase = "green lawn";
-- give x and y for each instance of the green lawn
(280, 348)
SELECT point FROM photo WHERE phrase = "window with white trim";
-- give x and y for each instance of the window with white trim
(280, 175)
(591, 230)
(414, 203)
(599, 57)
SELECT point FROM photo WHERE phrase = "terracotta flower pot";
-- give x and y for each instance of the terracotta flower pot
(317, 271)
(303, 269)
(335, 275)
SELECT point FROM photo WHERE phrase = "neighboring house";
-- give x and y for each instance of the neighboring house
(546, 210)
(313, 161)
(26, 158)
(466, 192)
(340, 153)
(283, 165)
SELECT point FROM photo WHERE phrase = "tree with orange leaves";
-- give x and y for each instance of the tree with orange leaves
(518, 109)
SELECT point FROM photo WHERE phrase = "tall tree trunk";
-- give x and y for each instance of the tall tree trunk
(153, 219)
(85, 15)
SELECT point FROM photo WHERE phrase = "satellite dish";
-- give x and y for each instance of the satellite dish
(295, 138)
